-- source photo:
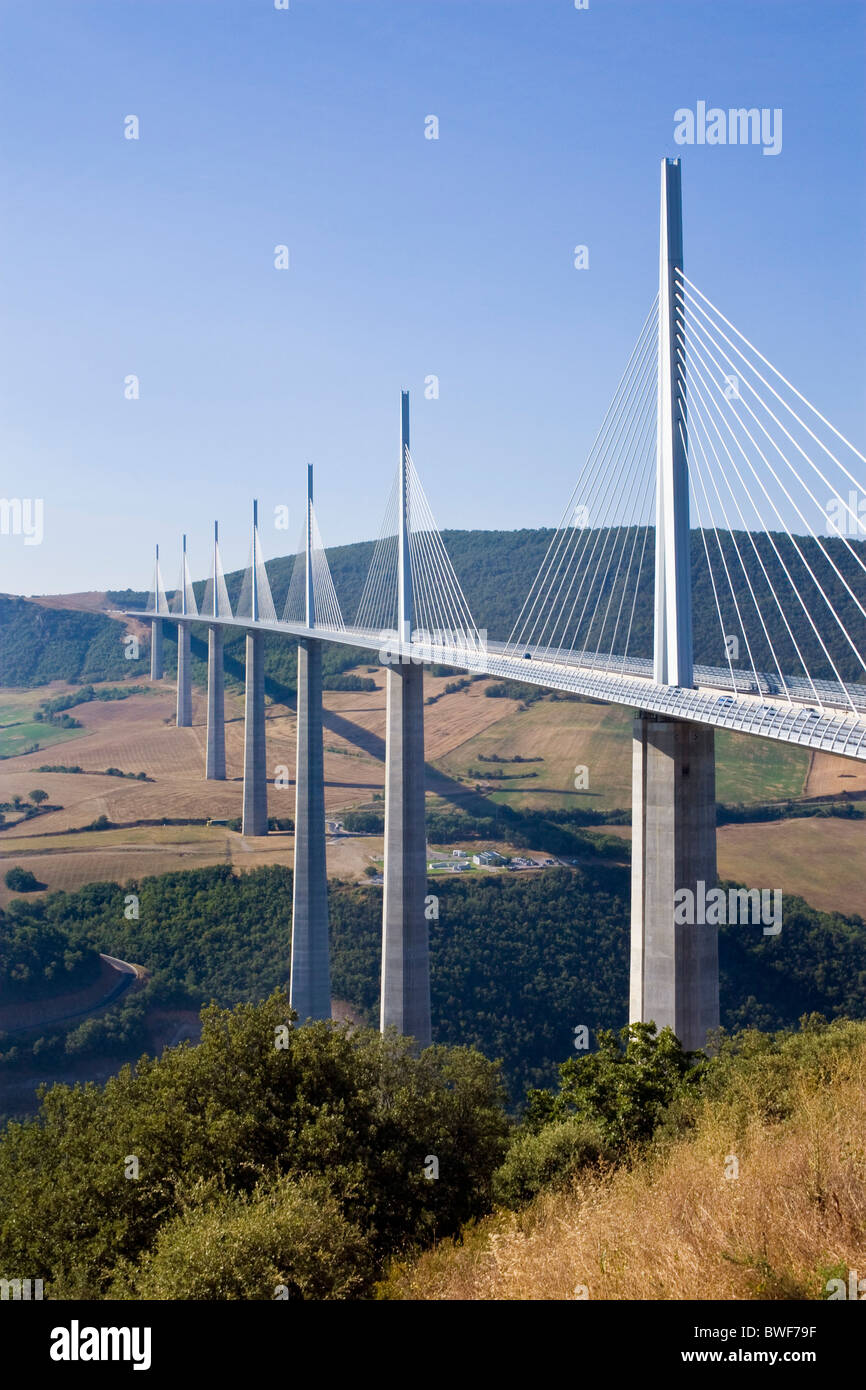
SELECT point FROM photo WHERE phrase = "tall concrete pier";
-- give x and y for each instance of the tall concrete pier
(215, 758)
(310, 988)
(184, 674)
(184, 682)
(405, 999)
(255, 814)
(215, 755)
(310, 982)
(674, 968)
(156, 668)
(405, 949)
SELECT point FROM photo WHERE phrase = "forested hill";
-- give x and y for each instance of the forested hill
(496, 570)
(516, 963)
(40, 644)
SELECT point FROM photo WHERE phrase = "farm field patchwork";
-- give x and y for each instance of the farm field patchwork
(464, 730)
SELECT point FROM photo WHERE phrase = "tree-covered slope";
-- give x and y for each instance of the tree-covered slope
(496, 570)
(516, 963)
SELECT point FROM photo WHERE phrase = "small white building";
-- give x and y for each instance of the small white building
(488, 859)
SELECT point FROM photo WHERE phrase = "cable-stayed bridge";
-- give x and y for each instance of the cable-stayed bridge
(713, 490)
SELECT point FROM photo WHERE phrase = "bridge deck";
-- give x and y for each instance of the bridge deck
(817, 720)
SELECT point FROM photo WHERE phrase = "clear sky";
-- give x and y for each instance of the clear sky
(408, 257)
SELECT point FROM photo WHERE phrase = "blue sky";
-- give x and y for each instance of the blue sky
(409, 257)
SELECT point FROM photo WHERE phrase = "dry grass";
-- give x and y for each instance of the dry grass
(674, 1227)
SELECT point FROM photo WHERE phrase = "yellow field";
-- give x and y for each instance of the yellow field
(820, 859)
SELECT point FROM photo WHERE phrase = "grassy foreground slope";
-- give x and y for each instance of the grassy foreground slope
(272, 1161)
(754, 1187)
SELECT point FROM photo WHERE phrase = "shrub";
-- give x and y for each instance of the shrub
(548, 1158)
(289, 1236)
(22, 880)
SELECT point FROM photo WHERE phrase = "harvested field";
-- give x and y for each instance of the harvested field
(829, 776)
(821, 859)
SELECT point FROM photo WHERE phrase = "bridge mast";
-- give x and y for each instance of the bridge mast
(310, 596)
(674, 980)
(404, 566)
(156, 669)
(184, 675)
(405, 992)
(673, 585)
(310, 979)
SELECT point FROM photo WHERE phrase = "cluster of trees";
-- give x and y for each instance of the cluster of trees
(109, 772)
(272, 1161)
(498, 774)
(28, 810)
(48, 644)
(39, 958)
(788, 810)
(83, 695)
(59, 721)
(268, 1161)
(347, 682)
(555, 830)
(517, 962)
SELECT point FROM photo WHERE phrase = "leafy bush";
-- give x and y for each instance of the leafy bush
(22, 880)
(548, 1157)
(258, 1100)
(624, 1087)
(288, 1236)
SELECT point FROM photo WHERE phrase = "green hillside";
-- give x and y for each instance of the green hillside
(496, 570)
(516, 964)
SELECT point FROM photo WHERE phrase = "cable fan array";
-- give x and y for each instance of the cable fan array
(591, 599)
(326, 605)
(157, 602)
(255, 600)
(184, 596)
(215, 600)
(440, 611)
(782, 534)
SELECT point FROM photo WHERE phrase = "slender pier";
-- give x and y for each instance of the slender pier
(674, 967)
(215, 757)
(405, 998)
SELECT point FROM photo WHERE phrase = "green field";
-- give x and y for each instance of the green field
(750, 769)
(14, 710)
(566, 736)
(14, 738)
